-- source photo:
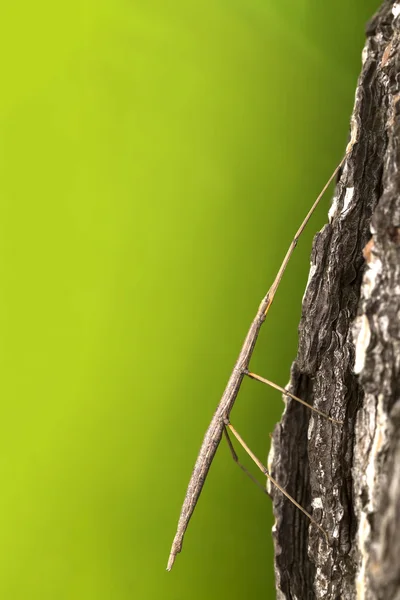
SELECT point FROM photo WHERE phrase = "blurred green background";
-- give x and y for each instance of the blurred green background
(156, 159)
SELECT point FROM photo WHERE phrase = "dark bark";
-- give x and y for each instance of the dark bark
(348, 364)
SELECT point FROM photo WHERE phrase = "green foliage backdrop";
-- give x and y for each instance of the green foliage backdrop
(155, 159)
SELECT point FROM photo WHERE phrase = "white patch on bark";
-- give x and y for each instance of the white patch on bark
(361, 328)
(317, 503)
(333, 209)
(347, 199)
(364, 54)
(311, 274)
(362, 339)
(396, 10)
(270, 461)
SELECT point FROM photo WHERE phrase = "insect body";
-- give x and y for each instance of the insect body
(220, 423)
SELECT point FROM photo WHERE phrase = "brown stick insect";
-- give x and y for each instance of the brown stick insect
(220, 424)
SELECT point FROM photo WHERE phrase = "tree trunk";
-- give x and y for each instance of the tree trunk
(348, 363)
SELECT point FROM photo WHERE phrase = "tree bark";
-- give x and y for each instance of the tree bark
(348, 363)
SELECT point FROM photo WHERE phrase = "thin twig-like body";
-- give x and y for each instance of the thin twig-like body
(215, 430)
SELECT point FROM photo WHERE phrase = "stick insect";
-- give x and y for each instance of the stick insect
(220, 424)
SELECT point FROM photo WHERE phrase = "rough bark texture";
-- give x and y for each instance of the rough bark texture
(348, 363)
